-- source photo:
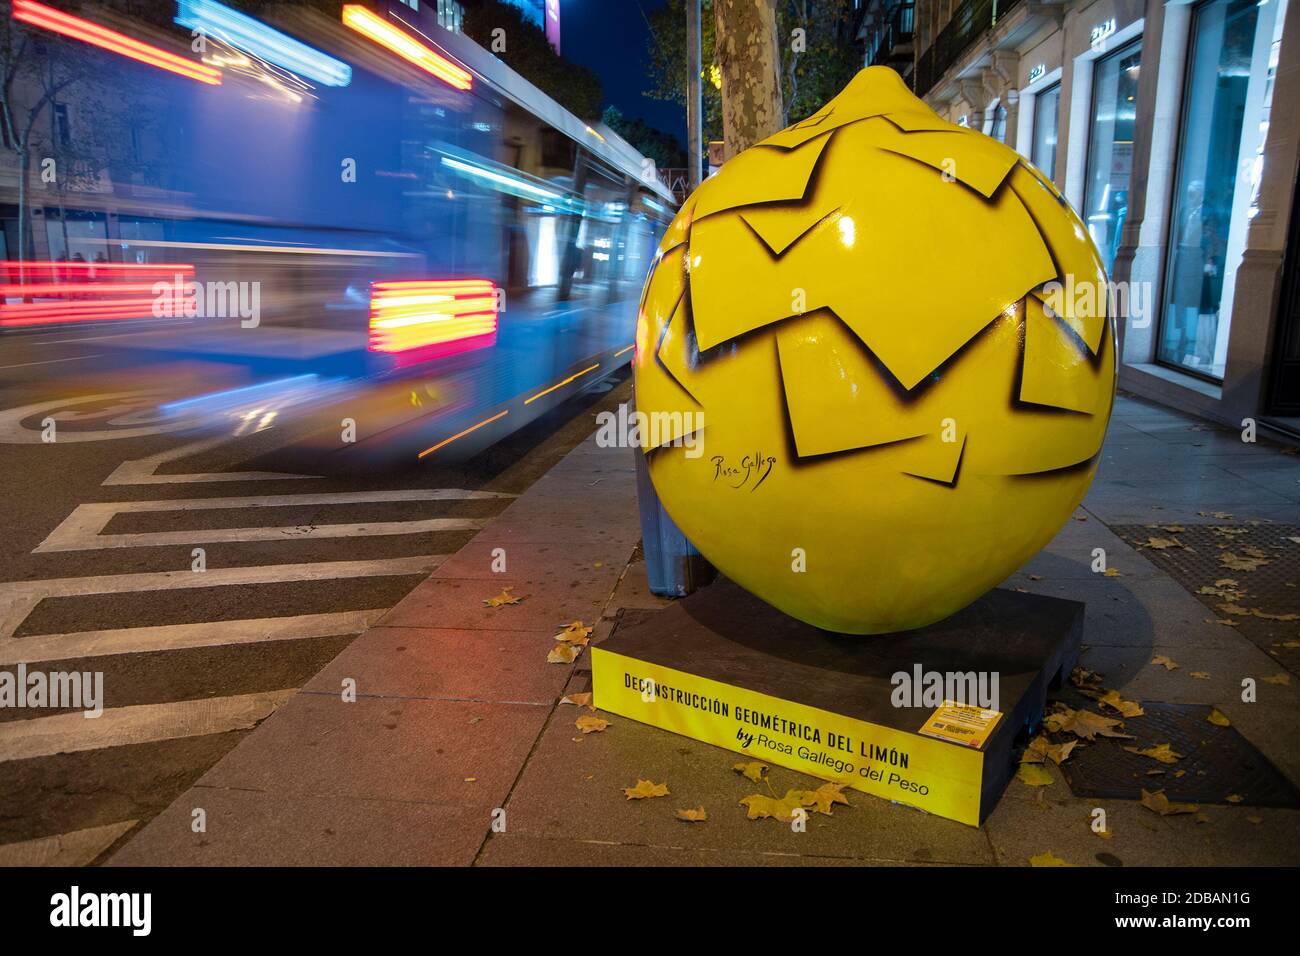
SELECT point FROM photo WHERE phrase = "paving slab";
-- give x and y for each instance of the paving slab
(250, 828)
(448, 664)
(458, 753)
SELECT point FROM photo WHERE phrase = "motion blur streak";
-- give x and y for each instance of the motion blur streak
(37, 14)
(418, 314)
(55, 292)
(462, 434)
(558, 385)
(405, 46)
(252, 36)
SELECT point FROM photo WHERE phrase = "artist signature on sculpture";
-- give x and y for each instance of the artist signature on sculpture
(753, 470)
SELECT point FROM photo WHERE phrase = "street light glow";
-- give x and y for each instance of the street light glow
(406, 46)
(56, 21)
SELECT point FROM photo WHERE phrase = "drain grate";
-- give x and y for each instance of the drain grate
(1218, 762)
(1272, 588)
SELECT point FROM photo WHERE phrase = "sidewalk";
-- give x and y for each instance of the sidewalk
(457, 712)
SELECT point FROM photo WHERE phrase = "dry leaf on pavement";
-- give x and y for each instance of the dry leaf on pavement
(1161, 752)
(1164, 662)
(1033, 775)
(1047, 858)
(759, 806)
(590, 725)
(1127, 708)
(562, 654)
(824, 796)
(1040, 749)
(1084, 724)
(698, 815)
(1218, 718)
(1282, 680)
(1242, 563)
(753, 770)
(505, 597)
(582, 700)
(1159, 803)
(644, 788)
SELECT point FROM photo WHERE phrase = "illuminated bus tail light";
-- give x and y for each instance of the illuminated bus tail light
(405, 46)
(423, 313)
(47, 293)
(56, 21)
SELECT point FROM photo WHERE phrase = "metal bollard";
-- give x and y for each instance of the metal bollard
(673, 565)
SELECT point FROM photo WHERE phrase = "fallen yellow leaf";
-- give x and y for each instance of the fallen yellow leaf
(505, 597)
(562, 654)
(644, 788)
(1128, 708)
(1282, 680)
(1159, 803)
(1164, 662)
(1200, 675)
(590, 725)
(1047, 858)
(758, 806)
(582, 700)
(1161, 752)
(691, 816)
(1239, 563)
(1040, 749)
(1084, 724)
(1033, 775)
(824, 796)
(1234, 798)
(1218, 718)
(753, 770)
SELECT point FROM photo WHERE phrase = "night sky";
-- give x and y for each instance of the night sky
(611, 37)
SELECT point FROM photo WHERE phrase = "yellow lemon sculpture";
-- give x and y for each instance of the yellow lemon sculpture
(876, 364)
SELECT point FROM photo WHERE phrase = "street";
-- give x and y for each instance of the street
(98, 573)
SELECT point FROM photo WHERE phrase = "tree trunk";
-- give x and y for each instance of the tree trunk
(750, 62)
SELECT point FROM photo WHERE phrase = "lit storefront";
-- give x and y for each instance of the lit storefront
(1156, 120)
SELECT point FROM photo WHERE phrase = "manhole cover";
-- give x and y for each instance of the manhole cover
(1217, 762)
(1247, 574)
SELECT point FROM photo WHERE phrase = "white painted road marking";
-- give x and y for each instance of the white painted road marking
(82, 530)
(171, 637)
(142, 471)
(19, 598)
(78, 848)
(137, 724)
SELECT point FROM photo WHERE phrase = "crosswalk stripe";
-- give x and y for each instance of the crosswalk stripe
(83, 529)
(143, 471)
(136, 724)
(77, 848)
(19, 598)
(171, 637)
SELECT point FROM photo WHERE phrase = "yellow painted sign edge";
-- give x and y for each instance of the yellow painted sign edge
(693, 706)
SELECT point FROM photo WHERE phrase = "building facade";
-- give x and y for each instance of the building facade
(1171, 126)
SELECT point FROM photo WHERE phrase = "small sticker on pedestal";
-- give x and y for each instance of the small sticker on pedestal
(962, 724)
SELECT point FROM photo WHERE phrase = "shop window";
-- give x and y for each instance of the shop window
(1110, 148)
(1047, 110)
(1224, 120)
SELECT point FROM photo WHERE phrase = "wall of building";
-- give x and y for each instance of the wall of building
(998, 86)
